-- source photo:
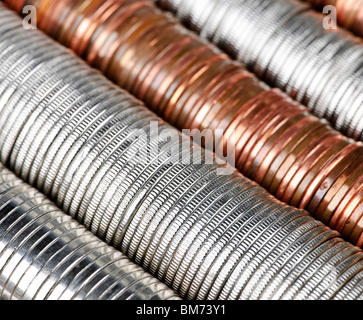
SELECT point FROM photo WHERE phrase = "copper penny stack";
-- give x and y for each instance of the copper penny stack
(349, 13)
(190, 83)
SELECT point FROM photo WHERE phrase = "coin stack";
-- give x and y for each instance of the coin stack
(45, 254)
(349, 13)
(191, 84)
(286, 43)
(206, 231)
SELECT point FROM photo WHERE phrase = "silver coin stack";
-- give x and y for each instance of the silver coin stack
(207, 234)
(285, 43)
(45, 254)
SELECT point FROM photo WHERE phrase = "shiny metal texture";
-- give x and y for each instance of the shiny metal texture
(46, 255)
(286, 44)
(349, 13)
(76, 137)
(191, 84)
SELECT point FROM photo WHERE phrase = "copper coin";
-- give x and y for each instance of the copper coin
(308, 158)
(287, 140)
(302, 187)
(327, 209)
(290, 149)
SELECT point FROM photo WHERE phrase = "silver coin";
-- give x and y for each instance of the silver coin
(47, 255)
(79, 138)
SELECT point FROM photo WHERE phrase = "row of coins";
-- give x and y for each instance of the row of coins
(206, 231)
(349, 12)
(45, 254)
(277, 142)
(290, 46)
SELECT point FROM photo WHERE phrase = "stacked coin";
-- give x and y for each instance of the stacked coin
(278, 143)
(45, 254)
(139, 184)
(288, 44)
(349, 13)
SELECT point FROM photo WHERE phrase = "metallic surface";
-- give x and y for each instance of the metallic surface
(46, 255)
(71, 133)
(285, 43)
